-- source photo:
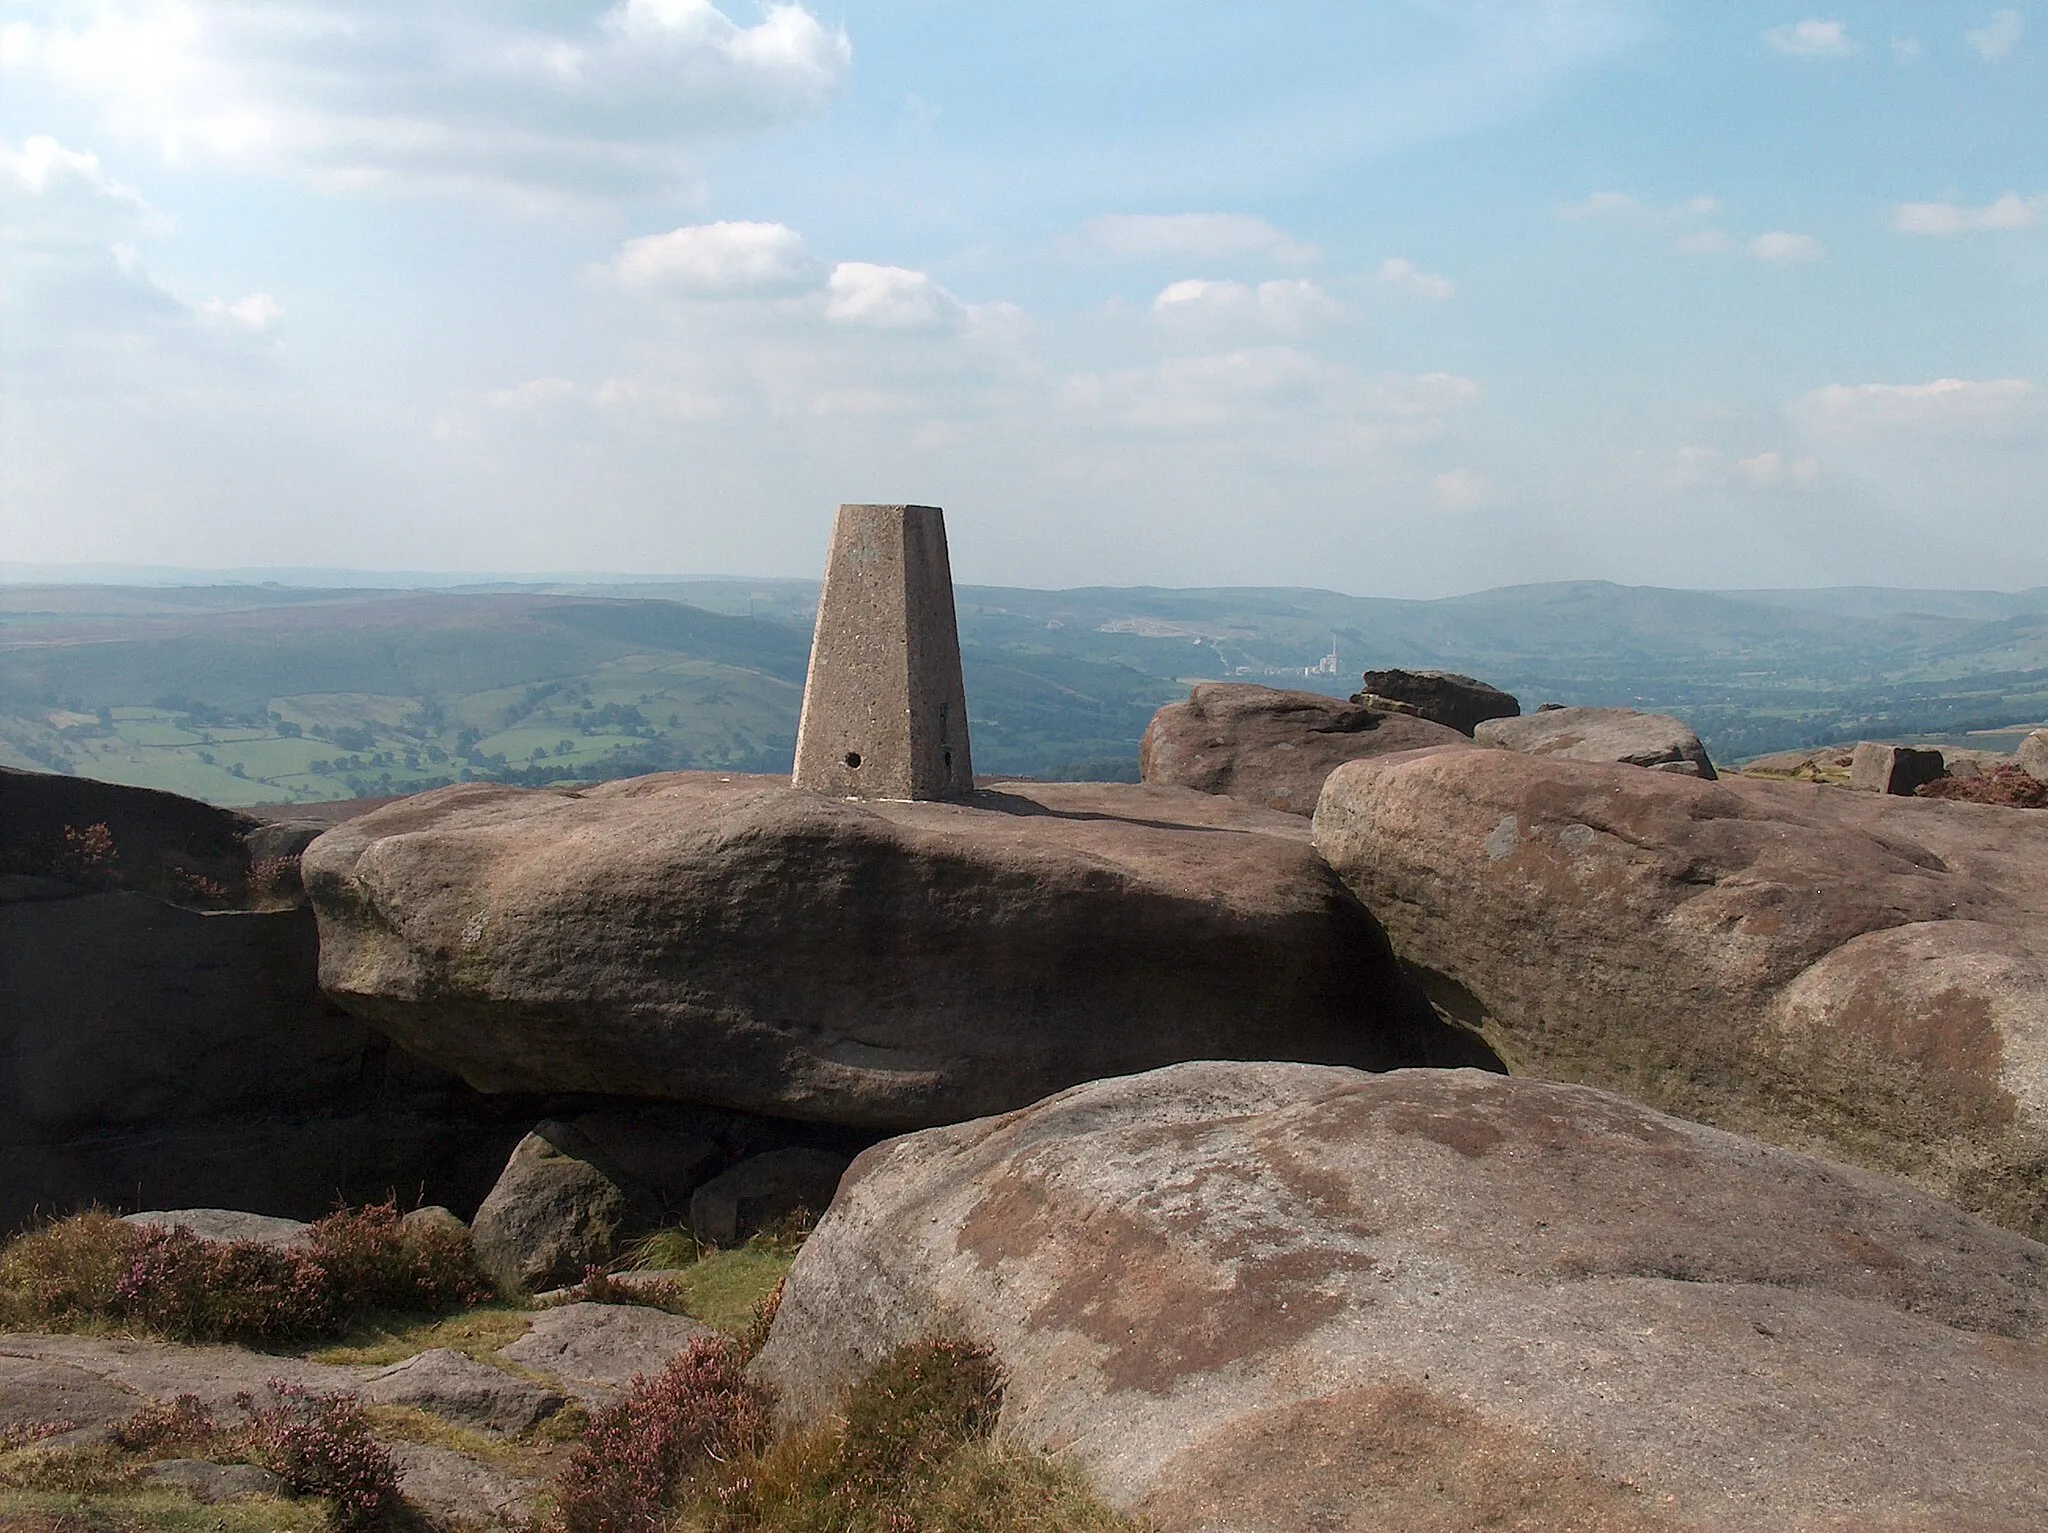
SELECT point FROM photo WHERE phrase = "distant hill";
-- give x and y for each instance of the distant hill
(243, 693)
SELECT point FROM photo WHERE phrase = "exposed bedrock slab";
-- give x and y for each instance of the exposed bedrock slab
(1654, 740)
(1853, 973)
(1292, 1299)
(1270, 746)
(1461, 702)
(733, 942)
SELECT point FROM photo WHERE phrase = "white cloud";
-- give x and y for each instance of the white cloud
(257, 311)
(717, 260)
(52, 196)
(1291, 305)
(1774, 471)
(1461, 489)
(1693, 467)
(2011, 211)
(1619, 207)
(1945, 407)
(466, 96)
(1200, 235)
(534, 393)
(1273, 384)
(1783, 249)
(1811, 39)
(1906, 50)
(1398, 272)
(1997, 38)
(887, 298)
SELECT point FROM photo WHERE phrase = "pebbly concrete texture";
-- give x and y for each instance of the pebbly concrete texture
(885, 711)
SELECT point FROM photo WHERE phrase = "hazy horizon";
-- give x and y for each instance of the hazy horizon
(458, 581)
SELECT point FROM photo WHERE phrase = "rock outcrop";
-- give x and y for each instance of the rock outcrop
(1271, 747)
(730, 941)
(1443, 697)
(596, 1350)
(2032, 757)
(756, 1193)
(227, 1224)
(554, 1210)
(165, 1034)
(1852, 973)
(1622, 735)
(1900, 769)
(1281, 1298)
(464, 1390)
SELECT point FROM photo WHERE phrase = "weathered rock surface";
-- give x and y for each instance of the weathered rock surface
(730, 941)
(1622, 735)
(595, 1350)
(757, 1192)
(458, 1388)
(1269, 746)
(1443, 697)
(456, 1490)
(554, 1210)
(2032, 757)
(95, 1384)
(35, 1392)
(1283, 1298)
(227, 1224)
(179, 1056)
(1858, 974)
(1899, 769)
(143, 1371)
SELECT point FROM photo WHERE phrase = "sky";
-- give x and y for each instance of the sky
(1395, 297)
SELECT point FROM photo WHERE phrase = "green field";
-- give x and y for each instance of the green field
(245, 694)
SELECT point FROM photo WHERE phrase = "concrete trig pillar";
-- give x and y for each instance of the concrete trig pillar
(885, 712)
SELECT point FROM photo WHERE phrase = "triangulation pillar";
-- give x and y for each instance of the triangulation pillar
(885, 712)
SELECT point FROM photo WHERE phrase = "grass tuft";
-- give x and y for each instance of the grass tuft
(378, 1339)
(153, 1511)
(909, 1451)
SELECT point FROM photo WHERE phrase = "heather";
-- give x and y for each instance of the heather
(93, 1270)
(317, 1446)
(2010, 786)
(910, 1448)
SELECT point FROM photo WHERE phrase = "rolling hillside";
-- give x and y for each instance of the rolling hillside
(251, 693)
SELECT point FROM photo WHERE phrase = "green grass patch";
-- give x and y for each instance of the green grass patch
(153, 1511)
(378, 1340)
(725, 1290)
(409, 1424)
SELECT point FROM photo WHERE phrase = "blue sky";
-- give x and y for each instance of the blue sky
(1410, 297)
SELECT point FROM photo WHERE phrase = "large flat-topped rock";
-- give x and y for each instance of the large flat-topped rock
(728, 941)
(1272, 747)
(885, 711)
